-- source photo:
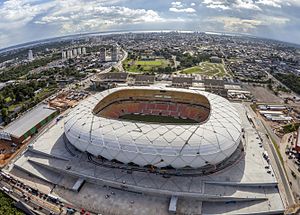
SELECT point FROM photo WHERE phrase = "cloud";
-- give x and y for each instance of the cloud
(176, 4)
(76, 16)
(234, 4)
(279, 3)
(248, 4)
(236, 24)
(272, 3)
(17, 13)
(182, 10)
(24, 20)
(179, 7)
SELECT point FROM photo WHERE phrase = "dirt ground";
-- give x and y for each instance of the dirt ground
(263, 94)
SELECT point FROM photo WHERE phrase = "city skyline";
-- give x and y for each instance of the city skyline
(29, 20)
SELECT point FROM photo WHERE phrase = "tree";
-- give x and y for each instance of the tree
(4, 112)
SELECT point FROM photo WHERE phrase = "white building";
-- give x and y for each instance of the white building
(211, 140)
(30, 55)
(102, 54)
(114, 53)
(69, 54)
(79, 51)
(74, 52)
(64, 55)
(83, 50)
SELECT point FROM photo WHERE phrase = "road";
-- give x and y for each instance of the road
(283, 182)
(290, 165)
(119, 65)
(36, 204)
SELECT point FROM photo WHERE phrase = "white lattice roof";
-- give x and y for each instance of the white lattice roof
(194, 145)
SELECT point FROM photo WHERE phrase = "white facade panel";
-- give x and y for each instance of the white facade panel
(194, 145)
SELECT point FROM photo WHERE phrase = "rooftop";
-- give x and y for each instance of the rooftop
(30, 119)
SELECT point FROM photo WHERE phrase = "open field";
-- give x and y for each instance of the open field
(144, 66)
(159, 119)
(263, 94)
(207, 69)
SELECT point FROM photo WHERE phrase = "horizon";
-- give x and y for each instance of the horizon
(137, 31)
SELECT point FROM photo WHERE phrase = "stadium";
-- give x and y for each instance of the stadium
(156, 126)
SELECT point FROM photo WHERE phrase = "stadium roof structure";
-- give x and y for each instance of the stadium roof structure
(26, 122)
(178, 145)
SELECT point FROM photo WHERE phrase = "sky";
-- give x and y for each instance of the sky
(29, 20)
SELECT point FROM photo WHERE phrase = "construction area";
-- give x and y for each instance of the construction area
(67, 99)
(282, 119)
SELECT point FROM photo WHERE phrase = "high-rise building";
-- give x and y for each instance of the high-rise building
(74, 52)
(83, 50)
(30, 55)
(102, 54)
(63, 55)
(79, 51)
(69, 54)
(114, 53)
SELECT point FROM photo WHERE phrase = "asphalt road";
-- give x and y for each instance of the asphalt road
(16, 194)
(277, 165)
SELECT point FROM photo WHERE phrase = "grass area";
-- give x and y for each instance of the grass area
(7, 205)
(13, 107)
(159, 119)
(254, 107)
(207, 69)
(45, 93)
(150, 63)
(144, 66)
(278, 152)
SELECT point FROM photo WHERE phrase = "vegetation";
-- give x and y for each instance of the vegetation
(278, 152)
(41, 49)
(208, 69)
(7, 205)
(19, 71)
(291, 80)
(186, 60)
(290, 128)
(132, 65)
(20, 97)
(52, 74)
(159, 119)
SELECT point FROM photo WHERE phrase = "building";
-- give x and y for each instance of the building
(115, 53)
(30, 55)
(215, 86)
(215, 59)
(30, 123)
(79, 51)
(102, 55)
(109, 80)
(69, 54)
(194, 107)
(63, 55)
(144, 80)
(74, 52)
(297, 147)
(83, 50)
(182, 82)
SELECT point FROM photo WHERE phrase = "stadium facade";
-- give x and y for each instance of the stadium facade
(211, 135)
